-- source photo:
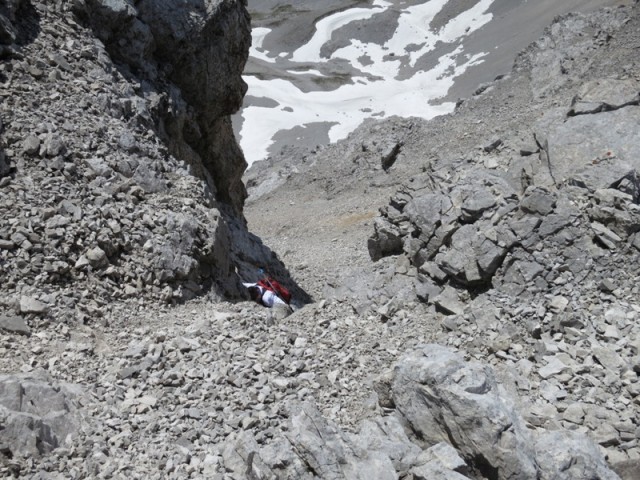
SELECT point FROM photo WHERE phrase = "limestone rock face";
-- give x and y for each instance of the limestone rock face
(201, 48)
(480, 231)
(443, 399)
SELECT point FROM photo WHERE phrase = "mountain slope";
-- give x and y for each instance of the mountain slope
(534, 348)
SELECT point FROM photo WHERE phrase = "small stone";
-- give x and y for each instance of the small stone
(82, 261)
(128, 142)
(130, 290)
(35, 71)
(449, 301)
(538, 201)
(14, 324)
(554, 367)
(493, 144)
(194, 413)
(300, 342)
(608, 358)
(558, 304)
(445, 455)
(605, 235)
(6, 244)
(31, 145)
(97, 257)
(574, 414)
(281, 383)
(60, 61)
(607, 285)
(53, 145)
(249, 422)
(32, 305)
(606, 435)
(611, 332)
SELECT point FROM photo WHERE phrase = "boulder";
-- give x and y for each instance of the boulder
(315, 447)
(450, 419)
(445, 399)
(14, 324)
(32, 305)
(386, 240)
(328, 452)
(572, 145)
(37, 413)
(570, 456)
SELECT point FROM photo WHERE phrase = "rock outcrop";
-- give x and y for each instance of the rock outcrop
(38, 415)
(463, 424)
(193, 53)
(119, 171)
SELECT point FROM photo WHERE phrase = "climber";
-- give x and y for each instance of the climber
(263, 296)
(268, 292)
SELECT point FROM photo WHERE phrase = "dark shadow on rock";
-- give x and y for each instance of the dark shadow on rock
(27, 23)
(5, 168)
(196, 72)
(19, 24)
(253, 259)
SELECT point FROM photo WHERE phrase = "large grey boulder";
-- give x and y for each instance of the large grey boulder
(445, 399)
(565, 455)
(14, 324)
(329, 453)
(448, 419)
(37, 414)
(581, 141)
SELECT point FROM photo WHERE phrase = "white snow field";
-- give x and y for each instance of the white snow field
(388, 84)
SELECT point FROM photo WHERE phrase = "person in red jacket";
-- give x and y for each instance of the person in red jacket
(268, 292)
(263, 295)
